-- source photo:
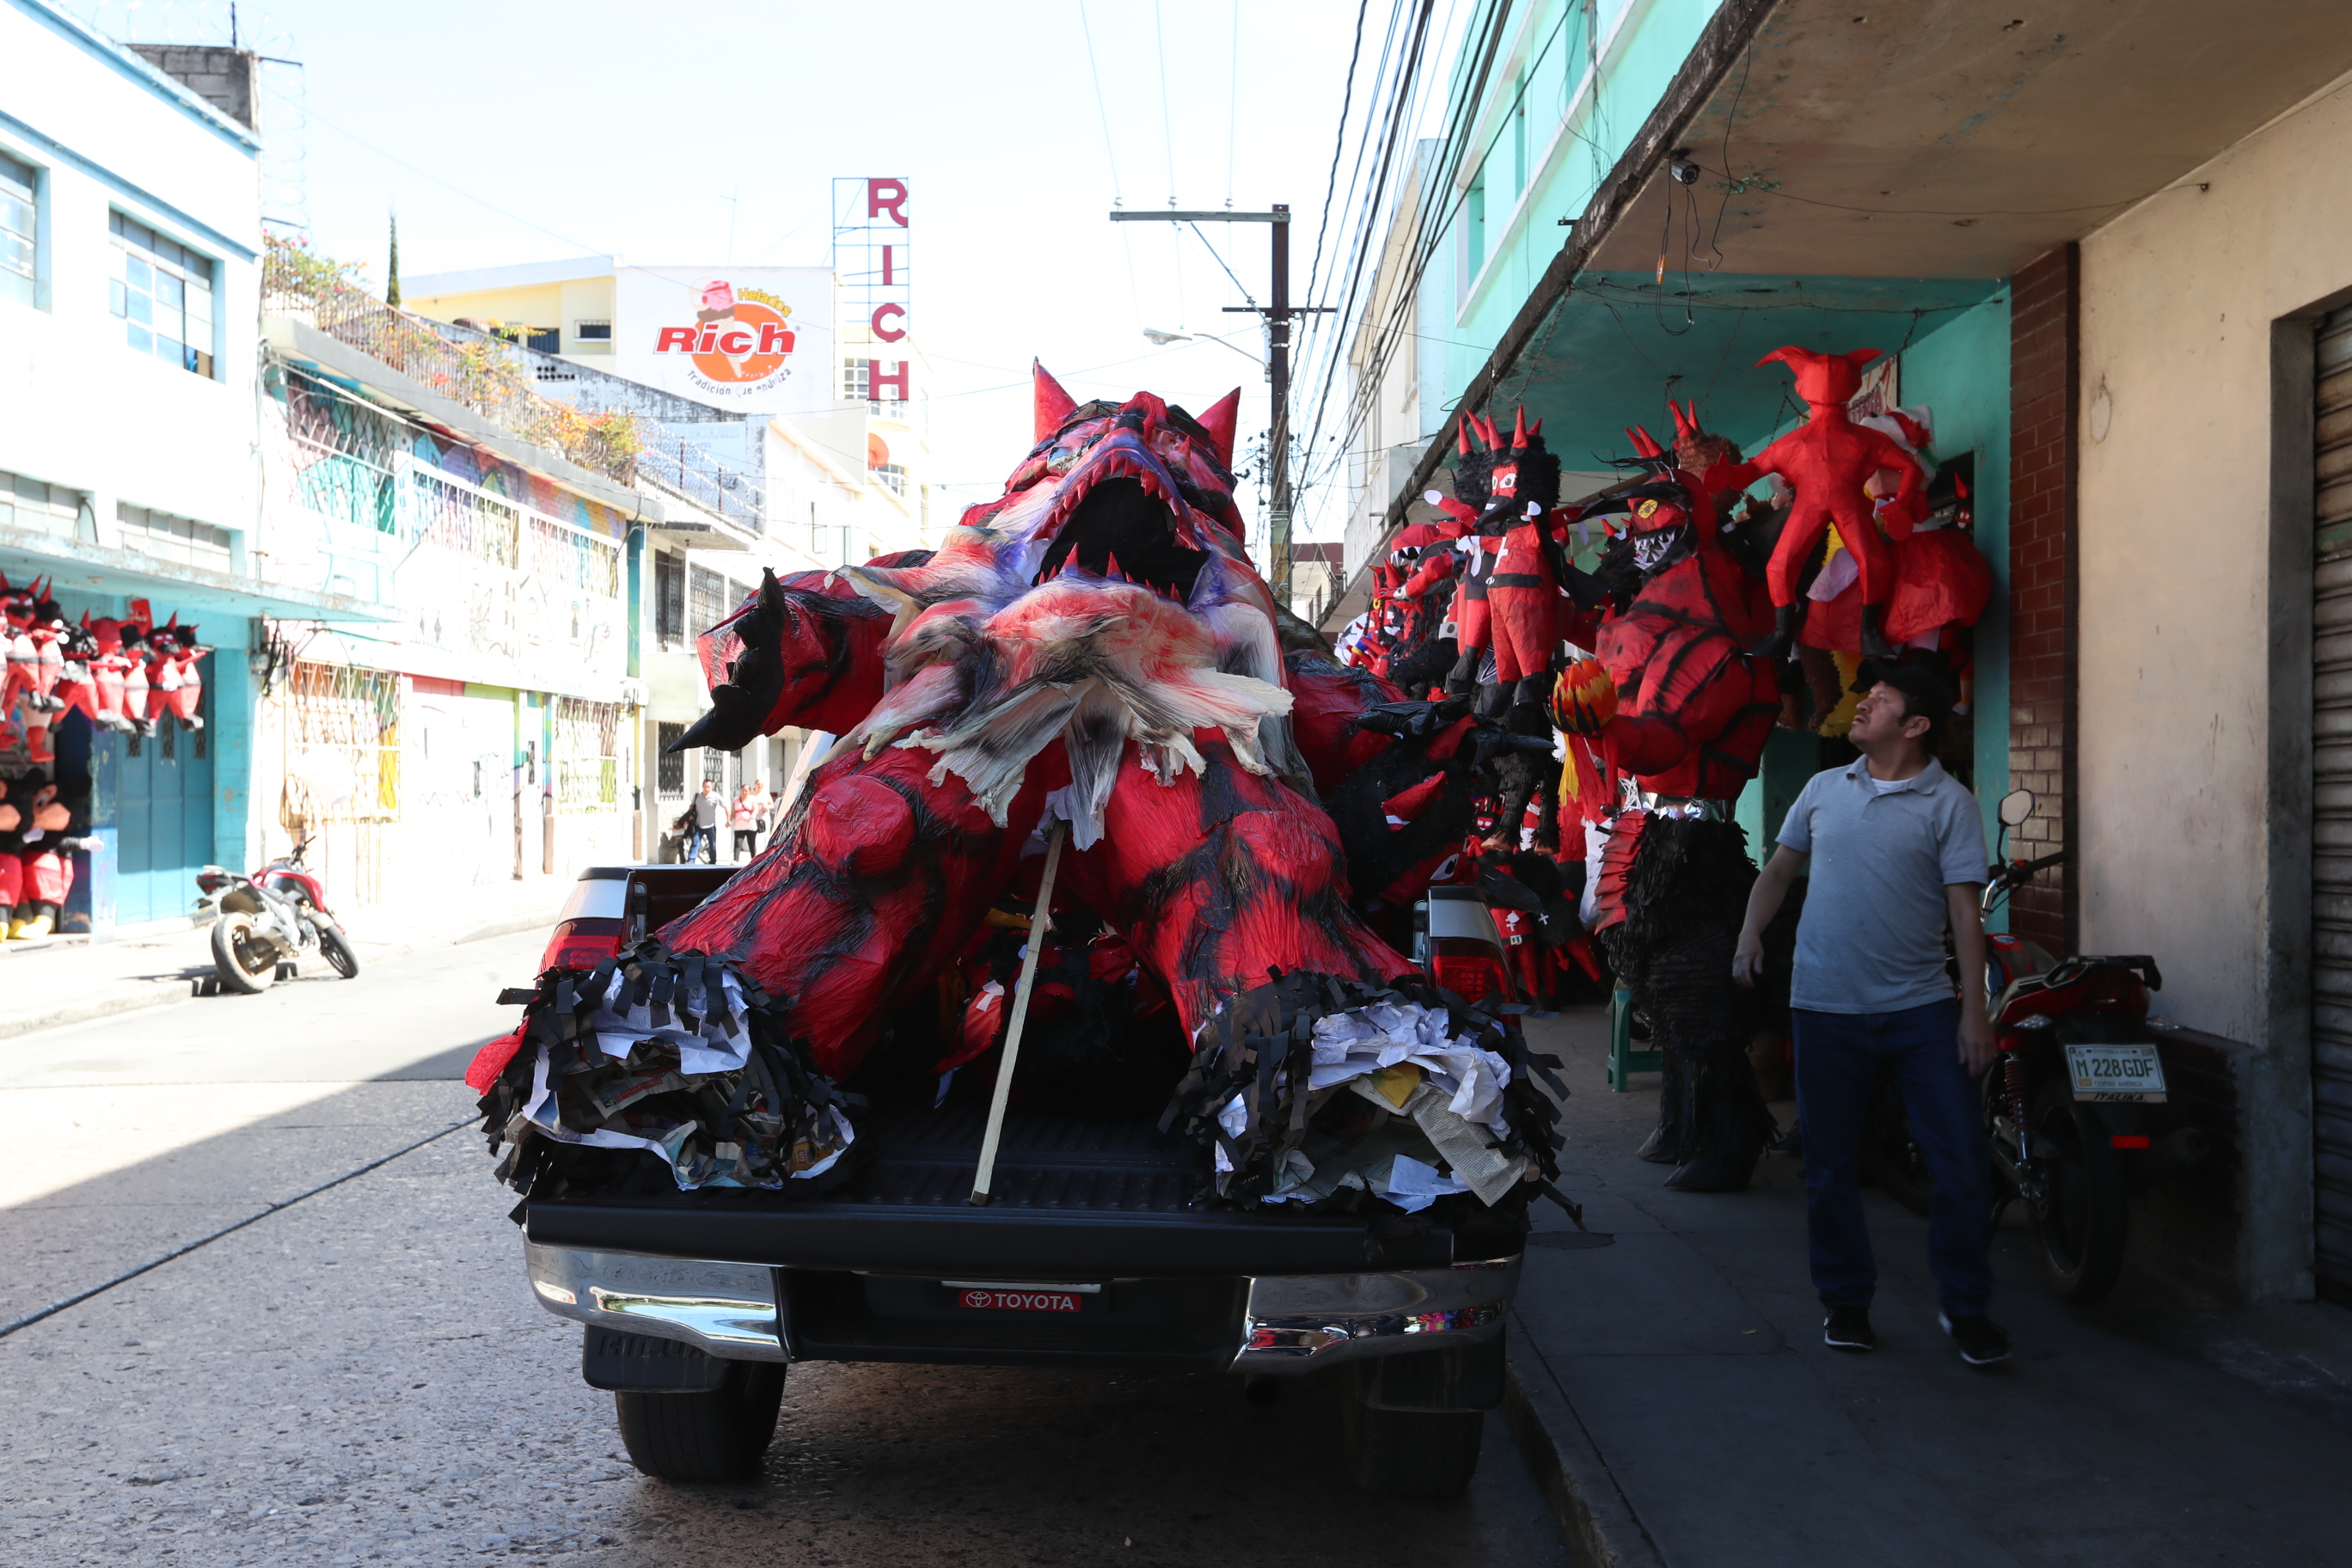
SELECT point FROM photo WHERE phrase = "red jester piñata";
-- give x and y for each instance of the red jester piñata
(1091, 663)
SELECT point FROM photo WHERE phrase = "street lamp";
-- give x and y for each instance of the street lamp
(1163, 337)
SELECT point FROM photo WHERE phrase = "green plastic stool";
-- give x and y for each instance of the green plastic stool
(1623, 1058)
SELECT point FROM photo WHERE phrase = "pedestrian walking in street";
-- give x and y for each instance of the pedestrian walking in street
(764, 810)
(707, 808)
(744, 817)
(1897, 850)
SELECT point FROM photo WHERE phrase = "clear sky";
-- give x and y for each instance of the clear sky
(508, 131)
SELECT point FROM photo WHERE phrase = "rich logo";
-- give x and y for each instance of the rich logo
(738, 339)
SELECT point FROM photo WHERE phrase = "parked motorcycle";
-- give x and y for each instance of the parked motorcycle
(265, 921)
(2076, 1108)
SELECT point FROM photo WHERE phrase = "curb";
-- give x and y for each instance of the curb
(156, 994)
(1596, 1522)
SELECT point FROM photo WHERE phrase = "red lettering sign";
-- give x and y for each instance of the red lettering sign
(886, 196)
(888, 335)
(889, 276)
(675, 339)
(877, 379)
(738, 341)
(774, 339)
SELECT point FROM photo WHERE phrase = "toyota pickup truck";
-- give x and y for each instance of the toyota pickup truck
(1092, 1252)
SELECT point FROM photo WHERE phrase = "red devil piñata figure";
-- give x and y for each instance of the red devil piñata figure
(1829, 460)
(1089, 662)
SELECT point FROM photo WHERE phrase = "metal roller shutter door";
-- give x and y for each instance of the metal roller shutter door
(2332, 809)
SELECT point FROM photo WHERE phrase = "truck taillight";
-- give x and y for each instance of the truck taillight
(582, 943)
(1469, 968)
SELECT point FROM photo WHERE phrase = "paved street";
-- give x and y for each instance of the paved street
(361, 1375)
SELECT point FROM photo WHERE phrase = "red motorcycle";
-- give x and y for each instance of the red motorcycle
(2076, 1108)
(266, 921)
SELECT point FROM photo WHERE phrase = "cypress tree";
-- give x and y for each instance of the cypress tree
(391, 269)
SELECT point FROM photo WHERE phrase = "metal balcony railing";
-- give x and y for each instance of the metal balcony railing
(678, 465)
(485, 373)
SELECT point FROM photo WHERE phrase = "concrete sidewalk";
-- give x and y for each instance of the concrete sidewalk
(74, 979)
(1671, 1386)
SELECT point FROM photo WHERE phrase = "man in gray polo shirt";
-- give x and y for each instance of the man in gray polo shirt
(1897, 855)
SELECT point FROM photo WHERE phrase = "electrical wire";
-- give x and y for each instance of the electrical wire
(1338, 146)
(1435, 223)
(1221, 261)
(1233, 100)
(1356, 271)
(1110, 157)
(482, 202)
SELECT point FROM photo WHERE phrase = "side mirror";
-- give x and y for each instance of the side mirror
(2016, 807)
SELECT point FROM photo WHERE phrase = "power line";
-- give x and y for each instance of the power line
(1110, 156)
(1338, 146)
(1232, 98)
(1432, 226)
(1391, 330)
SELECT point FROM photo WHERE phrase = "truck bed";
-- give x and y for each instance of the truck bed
(1073, 1199)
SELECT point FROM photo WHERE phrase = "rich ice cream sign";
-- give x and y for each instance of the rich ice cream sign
(739, 338)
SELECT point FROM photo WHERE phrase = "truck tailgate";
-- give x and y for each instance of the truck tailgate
(1072, 1199)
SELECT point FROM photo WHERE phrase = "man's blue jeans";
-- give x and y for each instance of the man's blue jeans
(703, 848)
(1839, 1058)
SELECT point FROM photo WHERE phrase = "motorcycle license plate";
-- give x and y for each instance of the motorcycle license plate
(2116, 1072)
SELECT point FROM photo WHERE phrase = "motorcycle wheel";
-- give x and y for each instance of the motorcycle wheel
(339, 952)
(2082, 1222)
(1891, 1160)
(247, 962)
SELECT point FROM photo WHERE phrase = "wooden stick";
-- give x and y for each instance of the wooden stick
(1039, 922)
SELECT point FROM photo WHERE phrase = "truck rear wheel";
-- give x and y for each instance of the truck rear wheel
(1411, 1453)
(719, 1436)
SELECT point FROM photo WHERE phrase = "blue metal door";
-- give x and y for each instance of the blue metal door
(163, 820)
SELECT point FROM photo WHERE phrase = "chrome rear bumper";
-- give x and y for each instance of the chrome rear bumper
(1292, 1324)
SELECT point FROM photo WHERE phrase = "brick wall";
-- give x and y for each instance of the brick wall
(2044, 359)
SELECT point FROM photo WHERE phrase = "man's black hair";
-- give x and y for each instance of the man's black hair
(1924, 695)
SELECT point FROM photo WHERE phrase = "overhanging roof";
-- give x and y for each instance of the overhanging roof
(1888, 166)
(193, 592)
(1949, 138)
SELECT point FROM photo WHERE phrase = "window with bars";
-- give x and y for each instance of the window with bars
(714, 769)
(669, 768)
(587, 754)
(163, 294)
(853, 380)
(342, 744)
(670, 598)
(20, 231)
(710, 599)
(592, 331)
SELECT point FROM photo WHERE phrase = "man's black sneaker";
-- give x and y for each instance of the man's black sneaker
(1980, 1338)
(1848, 1328)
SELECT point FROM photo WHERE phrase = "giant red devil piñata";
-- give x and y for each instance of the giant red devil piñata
(1095, 648)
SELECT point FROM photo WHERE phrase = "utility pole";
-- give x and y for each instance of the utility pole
(1278, 313)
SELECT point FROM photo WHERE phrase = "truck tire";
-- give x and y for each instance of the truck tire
(235, 947)
(715, 1436)
(1410, 1453)
(2081, 1227)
